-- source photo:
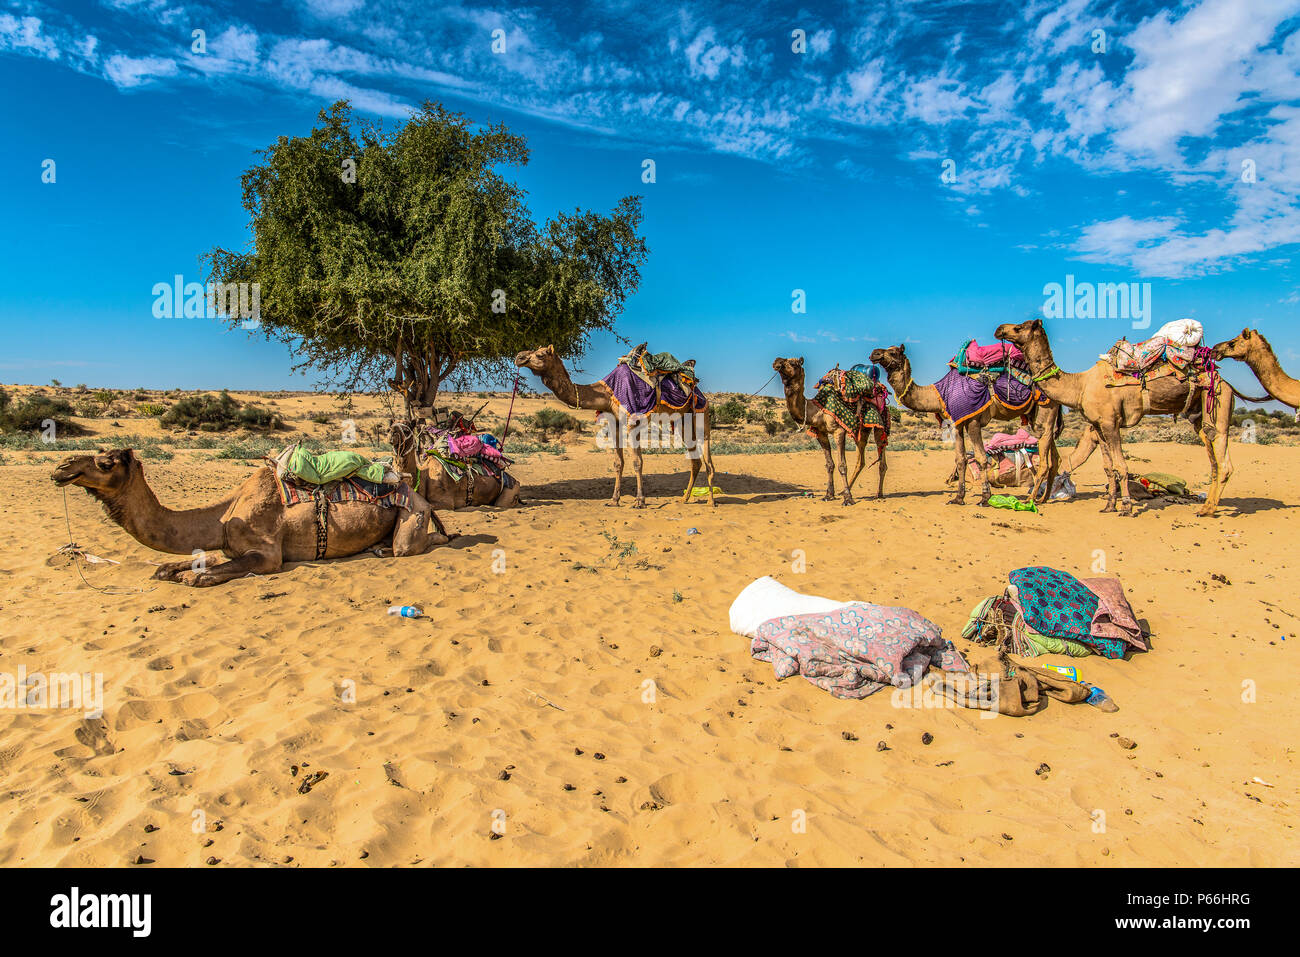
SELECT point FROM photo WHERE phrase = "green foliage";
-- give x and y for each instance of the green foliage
(31, 413)
(396, 270)
(553, 420)
(150, 408)
(729, 412)
(212, 413)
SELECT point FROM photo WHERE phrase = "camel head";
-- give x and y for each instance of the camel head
(1237, 348)
(790, 370)
(104, 475)
(538, 360)
(892, 360)
(1021, 333)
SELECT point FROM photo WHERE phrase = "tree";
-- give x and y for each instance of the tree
(404, 258)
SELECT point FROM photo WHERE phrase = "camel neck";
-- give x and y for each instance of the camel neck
(1269, 372)
(573, 395)
(177, 532)
(918, 398)
(1065, 388)
(795, 400)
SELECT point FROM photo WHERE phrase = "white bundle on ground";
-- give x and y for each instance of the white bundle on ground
(1183, 332)
(766, 598)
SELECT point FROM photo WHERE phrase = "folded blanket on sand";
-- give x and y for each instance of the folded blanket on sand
(1093, 612)
(766, 598)
(856, 650)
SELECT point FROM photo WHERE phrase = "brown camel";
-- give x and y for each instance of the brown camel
(599, 398)
(1046, 419)
(1111, 405)
(251, 526)
(438, 488)
(825, 427)
(1253, 349)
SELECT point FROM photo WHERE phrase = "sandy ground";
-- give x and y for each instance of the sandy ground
(590, 700)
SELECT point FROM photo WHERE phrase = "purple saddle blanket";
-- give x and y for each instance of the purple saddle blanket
(964, 396)
(637, 397)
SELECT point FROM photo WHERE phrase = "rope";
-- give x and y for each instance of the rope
(75, 550)
(510, 412)
(1054, 370)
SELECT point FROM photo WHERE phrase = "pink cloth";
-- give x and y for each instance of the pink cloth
(1022, 439)
(855, 650)
(977, 355)
(465, 446)
(1114, 616)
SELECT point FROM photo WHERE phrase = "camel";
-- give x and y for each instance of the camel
(1047, 419)
(1253, 349)
(1110, 406)
(438, 488)
(824, 427)
(251, 526)
(598, 397)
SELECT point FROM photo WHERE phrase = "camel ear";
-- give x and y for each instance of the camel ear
(799, 361)
(550, 349)
(902, 348)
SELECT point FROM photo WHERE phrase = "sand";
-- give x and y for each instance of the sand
(587, 704)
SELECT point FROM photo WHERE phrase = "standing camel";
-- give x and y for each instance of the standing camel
(252, 526)
(1111, 405)
(1047, 421)
(823, 427)
(438, 488)
(1253, 349)
(599, 398)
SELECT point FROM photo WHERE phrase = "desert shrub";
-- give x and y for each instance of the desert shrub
(217, 413)
(150, 408)
(729, 412)
(30, 414)
(772, 426)
(554, 420)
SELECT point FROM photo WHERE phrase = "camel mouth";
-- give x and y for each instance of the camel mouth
(1001, 333)
(61, 478)
(521, 359)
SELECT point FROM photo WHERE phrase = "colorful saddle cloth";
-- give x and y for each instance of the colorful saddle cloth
(999, 355)
(1096, 613)
(856, 401)
(294, 491)
(965, 396)
(634, 395)
(459, 453)
(856, 650)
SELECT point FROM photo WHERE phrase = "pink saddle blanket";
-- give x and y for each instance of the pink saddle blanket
(992, 355)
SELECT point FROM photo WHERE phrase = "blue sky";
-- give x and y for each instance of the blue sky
(1112, 156)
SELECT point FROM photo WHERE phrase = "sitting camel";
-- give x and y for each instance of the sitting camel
(824, 426)
(599, 398)
(1046, 419)
(251, 526)
(1109, 405)
(1253, 349)
(438, 488)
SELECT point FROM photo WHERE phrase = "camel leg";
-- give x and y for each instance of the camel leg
(862, 456)
(881, 468)
(981, 459)
(693, 460)
(840, 437)
(1110, 435)
(414, 533)
(254, 563)
(509, 496)
(170, 571)
(825, 442)
(959, 446)
(638, 466)
(618, 475)
(1215, 437)
(706, 449)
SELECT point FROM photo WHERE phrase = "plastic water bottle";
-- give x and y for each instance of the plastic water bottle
(1099, 699)
(406, 611)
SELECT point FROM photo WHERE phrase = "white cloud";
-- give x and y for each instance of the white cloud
(126, 72)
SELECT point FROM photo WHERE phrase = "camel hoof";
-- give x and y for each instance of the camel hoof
(612, 503)
(1205, 511)
(849, 501)
(955, 501)
(640, 503)
(830, 497)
